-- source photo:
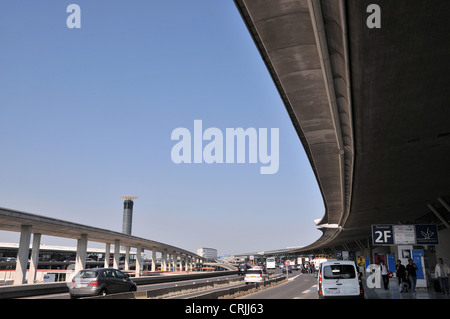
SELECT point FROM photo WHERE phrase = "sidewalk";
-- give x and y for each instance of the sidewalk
(394, 293)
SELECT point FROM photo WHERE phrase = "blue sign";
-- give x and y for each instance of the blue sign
(391, 262)
(427, 235)
(382, 235)
(417, 255)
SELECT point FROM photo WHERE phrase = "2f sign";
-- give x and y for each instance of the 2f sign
(382, 235)
(74, 19)
(374, 19)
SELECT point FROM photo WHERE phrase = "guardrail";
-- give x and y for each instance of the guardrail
(28, 290)
(169, 291)
(191, 288)
(233, 290)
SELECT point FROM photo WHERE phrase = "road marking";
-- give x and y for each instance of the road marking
(290, 279)
(310, 290)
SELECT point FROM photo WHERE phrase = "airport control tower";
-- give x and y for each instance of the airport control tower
(127, 214)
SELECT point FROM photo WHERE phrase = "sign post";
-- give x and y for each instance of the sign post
(286, 264)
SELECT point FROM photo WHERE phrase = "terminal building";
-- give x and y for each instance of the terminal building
(54, 261)
(55, 254)
(207, 253)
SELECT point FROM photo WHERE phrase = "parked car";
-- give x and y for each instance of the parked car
(339, 278)
(100, 281)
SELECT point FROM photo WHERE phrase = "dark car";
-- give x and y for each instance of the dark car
(100, 281)
(242, 268)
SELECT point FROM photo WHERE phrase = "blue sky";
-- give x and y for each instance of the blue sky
(87, 115)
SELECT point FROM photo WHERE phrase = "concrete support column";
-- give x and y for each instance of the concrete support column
(164, 261)
(22, 255)
(116, 254)
(80, 260)
(138, 260)
(107, 254)
(34, 258)
(127, 258)
(175, 261)
(153, 259)
(172, 262)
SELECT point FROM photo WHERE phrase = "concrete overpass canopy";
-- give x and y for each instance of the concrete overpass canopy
(371, 106)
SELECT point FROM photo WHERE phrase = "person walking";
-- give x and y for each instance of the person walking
(442, 271)
(384, 275)
(411, 274)
(400, 271)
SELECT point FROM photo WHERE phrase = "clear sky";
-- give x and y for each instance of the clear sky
(87, 116)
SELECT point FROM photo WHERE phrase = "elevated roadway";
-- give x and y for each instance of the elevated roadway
(27, 224)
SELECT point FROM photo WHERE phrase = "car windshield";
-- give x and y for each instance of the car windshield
(86, 274)
(339, 272)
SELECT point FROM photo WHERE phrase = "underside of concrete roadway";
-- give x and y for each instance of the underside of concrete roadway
(371, 107)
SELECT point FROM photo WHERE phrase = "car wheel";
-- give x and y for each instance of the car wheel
(103, 292)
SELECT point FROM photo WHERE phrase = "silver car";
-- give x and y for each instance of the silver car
(100, 281)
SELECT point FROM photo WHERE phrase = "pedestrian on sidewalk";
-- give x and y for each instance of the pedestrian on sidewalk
(442, 272)
(384, 275)
(400, 271)
(411, 274)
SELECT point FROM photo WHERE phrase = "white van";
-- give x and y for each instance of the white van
(339, 278)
